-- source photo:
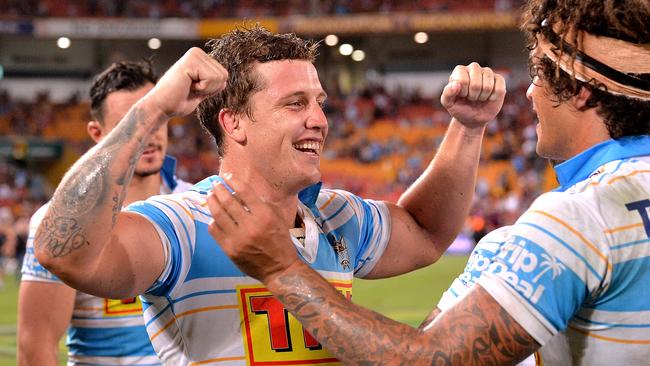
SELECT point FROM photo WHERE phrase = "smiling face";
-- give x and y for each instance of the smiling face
(116, 106)
(285, 136)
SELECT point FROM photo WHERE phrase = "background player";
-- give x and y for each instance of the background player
(101, 331)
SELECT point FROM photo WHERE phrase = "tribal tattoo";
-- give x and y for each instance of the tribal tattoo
(477, 331)
(83, 197)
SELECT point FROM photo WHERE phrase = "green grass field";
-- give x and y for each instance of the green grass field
(408, 298)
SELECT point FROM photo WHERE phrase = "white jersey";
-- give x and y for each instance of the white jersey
(555, 352)
(204, 310)
(103, 331)
(578, 260)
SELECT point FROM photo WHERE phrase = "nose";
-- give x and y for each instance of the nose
(529, 91)
(317, 118)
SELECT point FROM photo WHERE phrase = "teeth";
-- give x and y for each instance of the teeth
(308, 145)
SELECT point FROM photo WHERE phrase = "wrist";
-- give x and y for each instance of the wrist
(273, 279)
(474, 131)
(154, 114)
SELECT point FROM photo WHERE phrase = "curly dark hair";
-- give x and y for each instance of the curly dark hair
(622, 19)
(238, 51)
(123, 75)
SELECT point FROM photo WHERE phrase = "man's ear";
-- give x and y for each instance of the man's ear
(95, 130)
(580, 100)
(231, 125)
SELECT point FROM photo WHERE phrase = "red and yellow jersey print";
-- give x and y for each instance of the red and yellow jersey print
(272, 336)
(131, 306)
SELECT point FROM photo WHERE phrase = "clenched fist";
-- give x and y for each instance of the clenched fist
(194, 77)
(474, 94)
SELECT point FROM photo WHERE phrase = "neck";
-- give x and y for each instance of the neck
(285, 200)
(142, 188)
(589, 131)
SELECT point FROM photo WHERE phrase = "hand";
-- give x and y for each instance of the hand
(249, 230)
(474, 95)
(194, 77)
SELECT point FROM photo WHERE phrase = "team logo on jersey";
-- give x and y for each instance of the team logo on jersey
(131, 306)
(272, 336)
(341, 249)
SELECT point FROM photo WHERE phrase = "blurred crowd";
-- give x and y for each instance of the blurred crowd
(379, 143)
(236, 8)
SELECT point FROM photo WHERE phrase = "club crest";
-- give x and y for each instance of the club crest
(341, 250)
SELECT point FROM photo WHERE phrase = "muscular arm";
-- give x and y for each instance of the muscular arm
(430, 214)
(39, 332)
(83, 230)
(477, 331)
(83, 238)
(432, 211)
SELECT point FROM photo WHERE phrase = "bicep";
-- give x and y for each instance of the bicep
(477, 330)
(130, 262)
(39, 331)
(409, 247)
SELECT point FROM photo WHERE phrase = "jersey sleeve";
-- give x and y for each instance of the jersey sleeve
(372, 220)
(31, 269)
(549, 265)
(478, 261)
(172, 218)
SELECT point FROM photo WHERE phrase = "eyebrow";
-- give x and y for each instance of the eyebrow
(303, 94)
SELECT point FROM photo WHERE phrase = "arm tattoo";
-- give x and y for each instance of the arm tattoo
(82, 199)
(430, 318)
(477, 331)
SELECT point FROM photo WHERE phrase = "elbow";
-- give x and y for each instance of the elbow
(50, 251)
(430, 257)
(438, 247)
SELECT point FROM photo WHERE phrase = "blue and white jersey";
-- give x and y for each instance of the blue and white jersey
(555, 352)
(578, 260)
(204, 310)
(103, 331)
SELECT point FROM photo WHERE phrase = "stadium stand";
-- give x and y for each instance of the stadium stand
(380, 137)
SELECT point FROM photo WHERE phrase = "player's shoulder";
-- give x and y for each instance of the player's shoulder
(497, 235)
(183, 205)
(335, 200)
(182, 186)
(562, 207)
(615, 178)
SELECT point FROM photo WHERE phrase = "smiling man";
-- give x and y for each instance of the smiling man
(577, 261)
(264, 106)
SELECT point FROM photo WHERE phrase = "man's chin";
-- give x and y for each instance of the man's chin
(143, 173)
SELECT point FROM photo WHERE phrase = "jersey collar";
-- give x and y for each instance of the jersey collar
(168, 172)
(581, 166)
(307, 196)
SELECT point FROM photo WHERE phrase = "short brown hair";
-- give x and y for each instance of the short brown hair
(624, 19)
(238, 51)
(123, 75)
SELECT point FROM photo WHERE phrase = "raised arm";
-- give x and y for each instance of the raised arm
(431, 213)
(84, 239)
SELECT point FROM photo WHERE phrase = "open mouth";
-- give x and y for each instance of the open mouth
(312, 147)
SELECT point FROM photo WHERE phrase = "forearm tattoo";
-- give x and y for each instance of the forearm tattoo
(475, 332)
(82, 198)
